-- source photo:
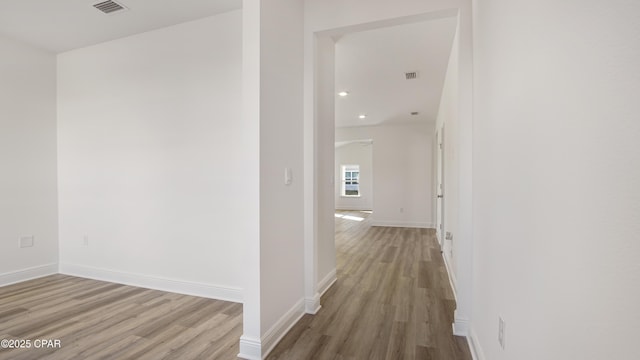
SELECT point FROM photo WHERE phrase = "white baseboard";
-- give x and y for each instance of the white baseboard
(474, 345)
(31, 273)
(258, 349)
(452, 275)
(250, 348)
(312, 305)
(327, 282)
(353, 208)
(460, 327)
(273, 336)
(407, 224)
(157, 283)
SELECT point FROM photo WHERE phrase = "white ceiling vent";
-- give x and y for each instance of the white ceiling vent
(411, 75)
(109, 7)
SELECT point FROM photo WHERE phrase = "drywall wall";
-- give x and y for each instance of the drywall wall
(272, 103)
(28, 157)
(556, 196)
(402, 172)
(326, 18)
(324, 161)
(448, 122)
(152, 159)
(281, 146)
(250, 342)
(361, 154)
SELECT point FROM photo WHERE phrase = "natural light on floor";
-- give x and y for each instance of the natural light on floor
(349, 217)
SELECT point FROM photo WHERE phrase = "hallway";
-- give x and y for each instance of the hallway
(392, 300)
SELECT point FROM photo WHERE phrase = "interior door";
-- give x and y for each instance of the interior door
(440, 186)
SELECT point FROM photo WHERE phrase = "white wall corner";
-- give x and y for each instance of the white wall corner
(157, 283)
(281, 327)
(474, 345)
(28, 274)
(250, 348)
(326, 283)
(312, 305)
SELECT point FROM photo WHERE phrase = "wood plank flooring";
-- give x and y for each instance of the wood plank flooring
(392, 300)
(100, 320)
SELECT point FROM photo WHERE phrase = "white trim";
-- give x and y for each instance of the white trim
(31, 273)
(474, 345)
(407, 224)
(327, 282)
(460, 326)
(353, 208)
(452, 275)
(153, 282)
(250, 348)
(273, 336)
(312, 305)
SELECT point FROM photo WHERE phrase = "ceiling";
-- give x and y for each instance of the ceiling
(61, 25)
(371, 66)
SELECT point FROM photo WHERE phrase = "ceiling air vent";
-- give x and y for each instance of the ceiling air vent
(411, 75)
(109, 7)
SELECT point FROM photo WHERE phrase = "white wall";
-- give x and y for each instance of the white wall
(324, 185)
(402, 172)
(281, 146)
(28, 157)
(334, 17)
(361, 154)
(448, 118)
(556, 177)
(273, 105)
(152, 158)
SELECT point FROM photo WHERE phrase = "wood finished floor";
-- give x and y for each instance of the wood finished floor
(101, 320)
(392, 300)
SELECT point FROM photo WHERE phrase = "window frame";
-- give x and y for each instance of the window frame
(344, 169)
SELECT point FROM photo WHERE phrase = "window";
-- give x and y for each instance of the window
(350, 180)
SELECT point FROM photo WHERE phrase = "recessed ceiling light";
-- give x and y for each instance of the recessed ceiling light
(362, 116)
(343, 93)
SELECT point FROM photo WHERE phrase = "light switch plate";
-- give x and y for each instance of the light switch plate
(288, 176)
(501, 330)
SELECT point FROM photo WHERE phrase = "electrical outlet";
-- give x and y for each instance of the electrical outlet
(85, 240)
(448, 236)
(401, 210)
(26, 241)
(501, 330)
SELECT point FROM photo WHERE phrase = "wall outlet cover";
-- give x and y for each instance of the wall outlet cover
(26, 241)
